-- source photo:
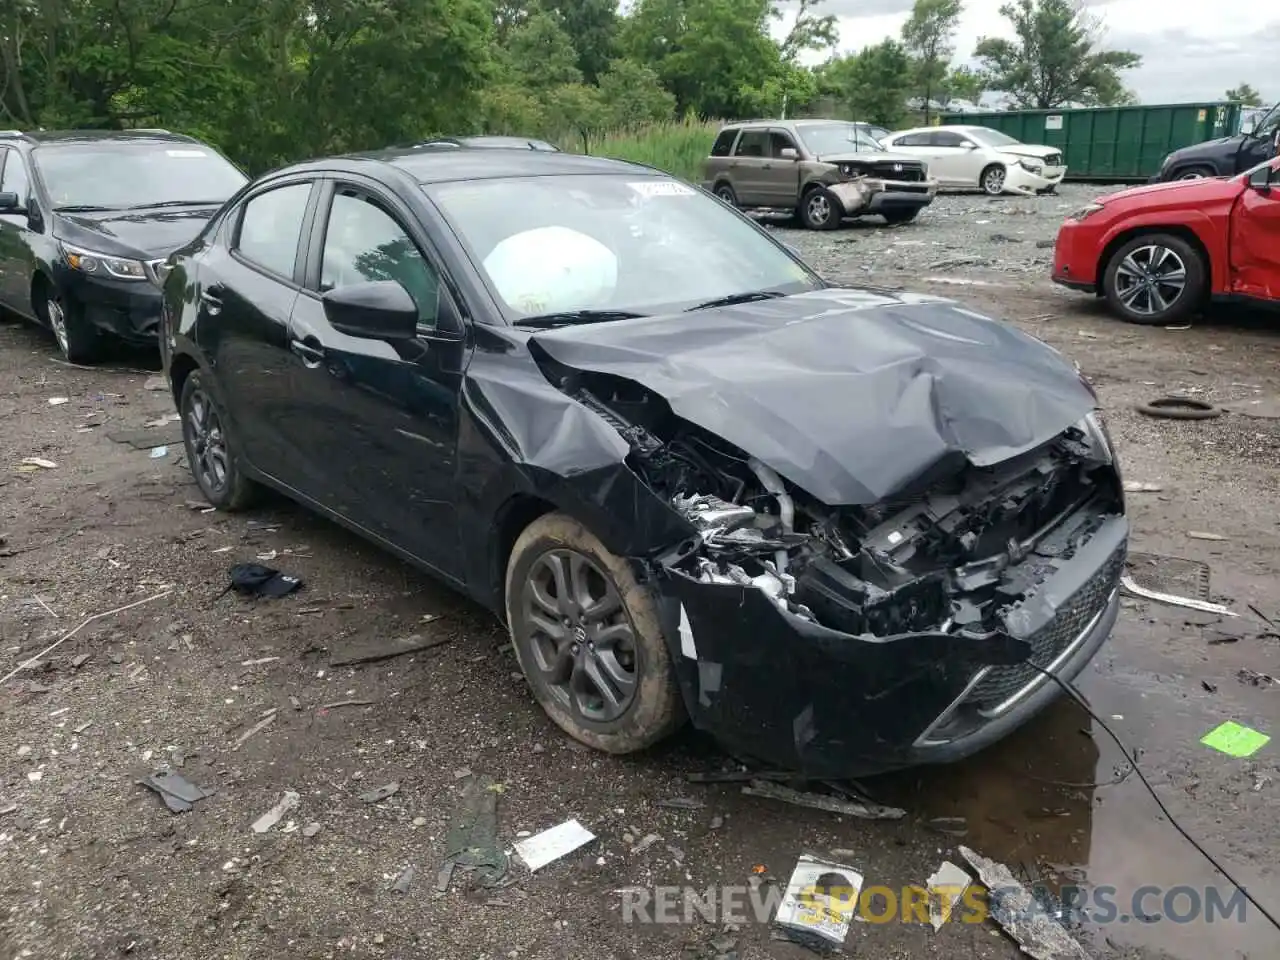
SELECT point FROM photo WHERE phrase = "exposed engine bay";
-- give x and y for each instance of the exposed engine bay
(959, 553)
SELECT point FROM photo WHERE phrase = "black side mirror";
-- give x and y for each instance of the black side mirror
(10, 202)
(1260, 180)
(379, 310)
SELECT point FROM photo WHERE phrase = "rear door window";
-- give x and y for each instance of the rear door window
(753, 143)
(270, 227)
(724, 143)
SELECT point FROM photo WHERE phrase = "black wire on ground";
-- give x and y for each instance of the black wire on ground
(1133, 763)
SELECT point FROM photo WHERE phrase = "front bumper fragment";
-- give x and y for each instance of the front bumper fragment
(784, 691)
(1020, 180)
(871, 195)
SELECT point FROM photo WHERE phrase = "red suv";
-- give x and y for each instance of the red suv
(1160, 252)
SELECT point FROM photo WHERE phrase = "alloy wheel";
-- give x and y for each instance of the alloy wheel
(727, 195)
(1150, 280)
(818, 208)
(58, 323)
(208, 443)
(1192, 175)
(993, 182)
(583, 643)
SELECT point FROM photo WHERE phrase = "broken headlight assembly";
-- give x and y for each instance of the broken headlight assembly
(1088, 210)
(1031, 166)
(852, 170)
(102, 264)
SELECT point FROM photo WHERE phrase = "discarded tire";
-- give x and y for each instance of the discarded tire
(1180, 408)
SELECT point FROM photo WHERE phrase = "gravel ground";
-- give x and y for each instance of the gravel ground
(93, 865)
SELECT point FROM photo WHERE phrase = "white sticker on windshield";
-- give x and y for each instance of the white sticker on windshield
(661, 188)
(187, 154)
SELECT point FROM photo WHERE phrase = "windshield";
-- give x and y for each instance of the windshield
(118, 175)
(991, 138)
(620, 244)
(829, 138)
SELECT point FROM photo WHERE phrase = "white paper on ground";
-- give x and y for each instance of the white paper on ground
(821, 898)
(946, 886)
(550, 845)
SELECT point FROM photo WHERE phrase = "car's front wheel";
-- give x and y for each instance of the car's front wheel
(1195, 173)
(820, 209)
(78, 340)
(725, 192)
(204, 433)
(992, 180)
(588, 638)
(1155, 278)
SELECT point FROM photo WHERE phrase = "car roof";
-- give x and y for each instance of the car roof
(440, 166)
(95, 136)
(488, 141)
(806, 122)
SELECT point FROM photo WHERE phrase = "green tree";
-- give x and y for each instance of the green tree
(540, 53)
(927, 36)
(592, 27)
(965, 83)
(631, 94)
(1056, 57)
(713, 55)
(1245, 94)
(809, 30)
(872, 84)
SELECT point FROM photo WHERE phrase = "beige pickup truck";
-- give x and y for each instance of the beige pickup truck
(823, 170)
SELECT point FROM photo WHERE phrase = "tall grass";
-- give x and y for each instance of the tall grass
(679, 147)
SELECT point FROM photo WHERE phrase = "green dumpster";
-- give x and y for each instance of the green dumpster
(1113, 143)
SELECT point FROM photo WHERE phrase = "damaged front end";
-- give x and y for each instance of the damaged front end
(845, 640)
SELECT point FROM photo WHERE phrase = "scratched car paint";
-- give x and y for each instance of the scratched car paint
(826, 525)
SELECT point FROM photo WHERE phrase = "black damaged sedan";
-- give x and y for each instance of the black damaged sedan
(842, 530)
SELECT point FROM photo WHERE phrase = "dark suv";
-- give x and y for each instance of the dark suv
(86, 220)
(1225, 156)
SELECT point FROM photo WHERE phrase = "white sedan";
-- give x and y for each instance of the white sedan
(961, 156)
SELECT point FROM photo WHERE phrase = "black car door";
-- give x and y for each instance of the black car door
(16, 258)
(247, 286)
(383, 417)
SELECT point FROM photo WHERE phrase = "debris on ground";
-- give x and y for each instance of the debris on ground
(946, 887)
(178, 793)
(8, 808)
(646, 842)
(58, 401)
(258, 727)
(1254, 678)
(816, 801)
(819, 903)
(344, 703)
(1204, 606)
(1180, 408)
(158, 452)
(381, 793)
(37, 463)
(79, 660)
(1019, 914)
(310, 830)
(255, 580)
(472, 841)
(155, 383)
(679, 803)
(952, 826)
(1203, 535)
(1235, 739)
(370, 650)
(147, 439)
(405, 880)
(273, 816)
(550, 845)
(1137, 486)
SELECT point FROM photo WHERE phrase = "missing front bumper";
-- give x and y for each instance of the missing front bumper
(791, 693)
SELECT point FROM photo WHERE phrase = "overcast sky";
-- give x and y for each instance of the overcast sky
(1187, 55)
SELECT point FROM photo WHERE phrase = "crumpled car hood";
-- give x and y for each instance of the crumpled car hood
(848, 394)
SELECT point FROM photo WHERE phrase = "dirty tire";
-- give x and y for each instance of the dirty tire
(1180, 408)
(900, 216)
(216, 472)
(1123, 272)
(1195, 173)
(820, 210)
(655, 709)
(991, 180)
(725, 192)
(77, 339)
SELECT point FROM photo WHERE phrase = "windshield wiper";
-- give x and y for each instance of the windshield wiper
(736, 298)
(568, 317)
(176, 203)
(83, 208)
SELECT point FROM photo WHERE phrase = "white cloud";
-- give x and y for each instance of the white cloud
(1186, 54)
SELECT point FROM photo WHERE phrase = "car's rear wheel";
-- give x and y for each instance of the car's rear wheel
(588, 638)
(992, 180)
(209, 451)
(905, 215)
(1155, 278)
(79, 341)
(820, 209)
(725, 192)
